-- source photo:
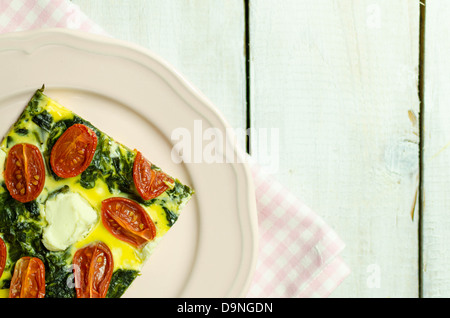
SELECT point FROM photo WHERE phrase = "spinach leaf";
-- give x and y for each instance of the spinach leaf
(44, 120)
(20, 225)
(179, 193)
(9, 141)
(20, 228)
(59, 276)
(63, 189)
(34, 104)
(170, 216)
(120, 281)
(21, 131)
(33, 209)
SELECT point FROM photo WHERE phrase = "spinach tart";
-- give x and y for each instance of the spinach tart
(80, 213)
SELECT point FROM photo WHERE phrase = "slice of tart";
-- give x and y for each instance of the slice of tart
(78, 209)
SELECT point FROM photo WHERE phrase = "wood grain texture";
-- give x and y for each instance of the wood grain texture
(338, 79)
(436, 152)
(203, 40)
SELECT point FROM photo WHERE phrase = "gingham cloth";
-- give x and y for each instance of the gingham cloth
(299, 254)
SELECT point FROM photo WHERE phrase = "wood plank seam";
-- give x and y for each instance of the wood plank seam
(247, 73)
(421, 139)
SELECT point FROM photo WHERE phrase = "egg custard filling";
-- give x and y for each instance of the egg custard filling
(80, 213)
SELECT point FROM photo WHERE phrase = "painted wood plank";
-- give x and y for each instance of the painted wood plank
(203, 40)
(436, 153)
(337, 81)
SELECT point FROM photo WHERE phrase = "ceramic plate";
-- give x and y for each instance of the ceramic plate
(141, 101)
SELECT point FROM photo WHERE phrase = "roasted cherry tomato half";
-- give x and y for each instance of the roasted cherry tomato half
(24, 172)
(73, 151)
(128, 221)
(93, 267)
(149, 183)
(2, 256)
(28, 280)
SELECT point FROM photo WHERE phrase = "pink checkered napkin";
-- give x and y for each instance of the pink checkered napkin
(299, 254)
(21, 15)
(298, 251)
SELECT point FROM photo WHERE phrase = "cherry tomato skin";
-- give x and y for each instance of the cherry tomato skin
(93, 267)
(28, 280)
(127, 221)
(73, 151)
(149, 183)
(24, 172)
(3, 256)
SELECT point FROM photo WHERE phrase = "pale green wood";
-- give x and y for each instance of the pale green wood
(338, 79)
(436, 153)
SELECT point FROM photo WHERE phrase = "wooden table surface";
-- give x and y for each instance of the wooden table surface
(348, 102)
